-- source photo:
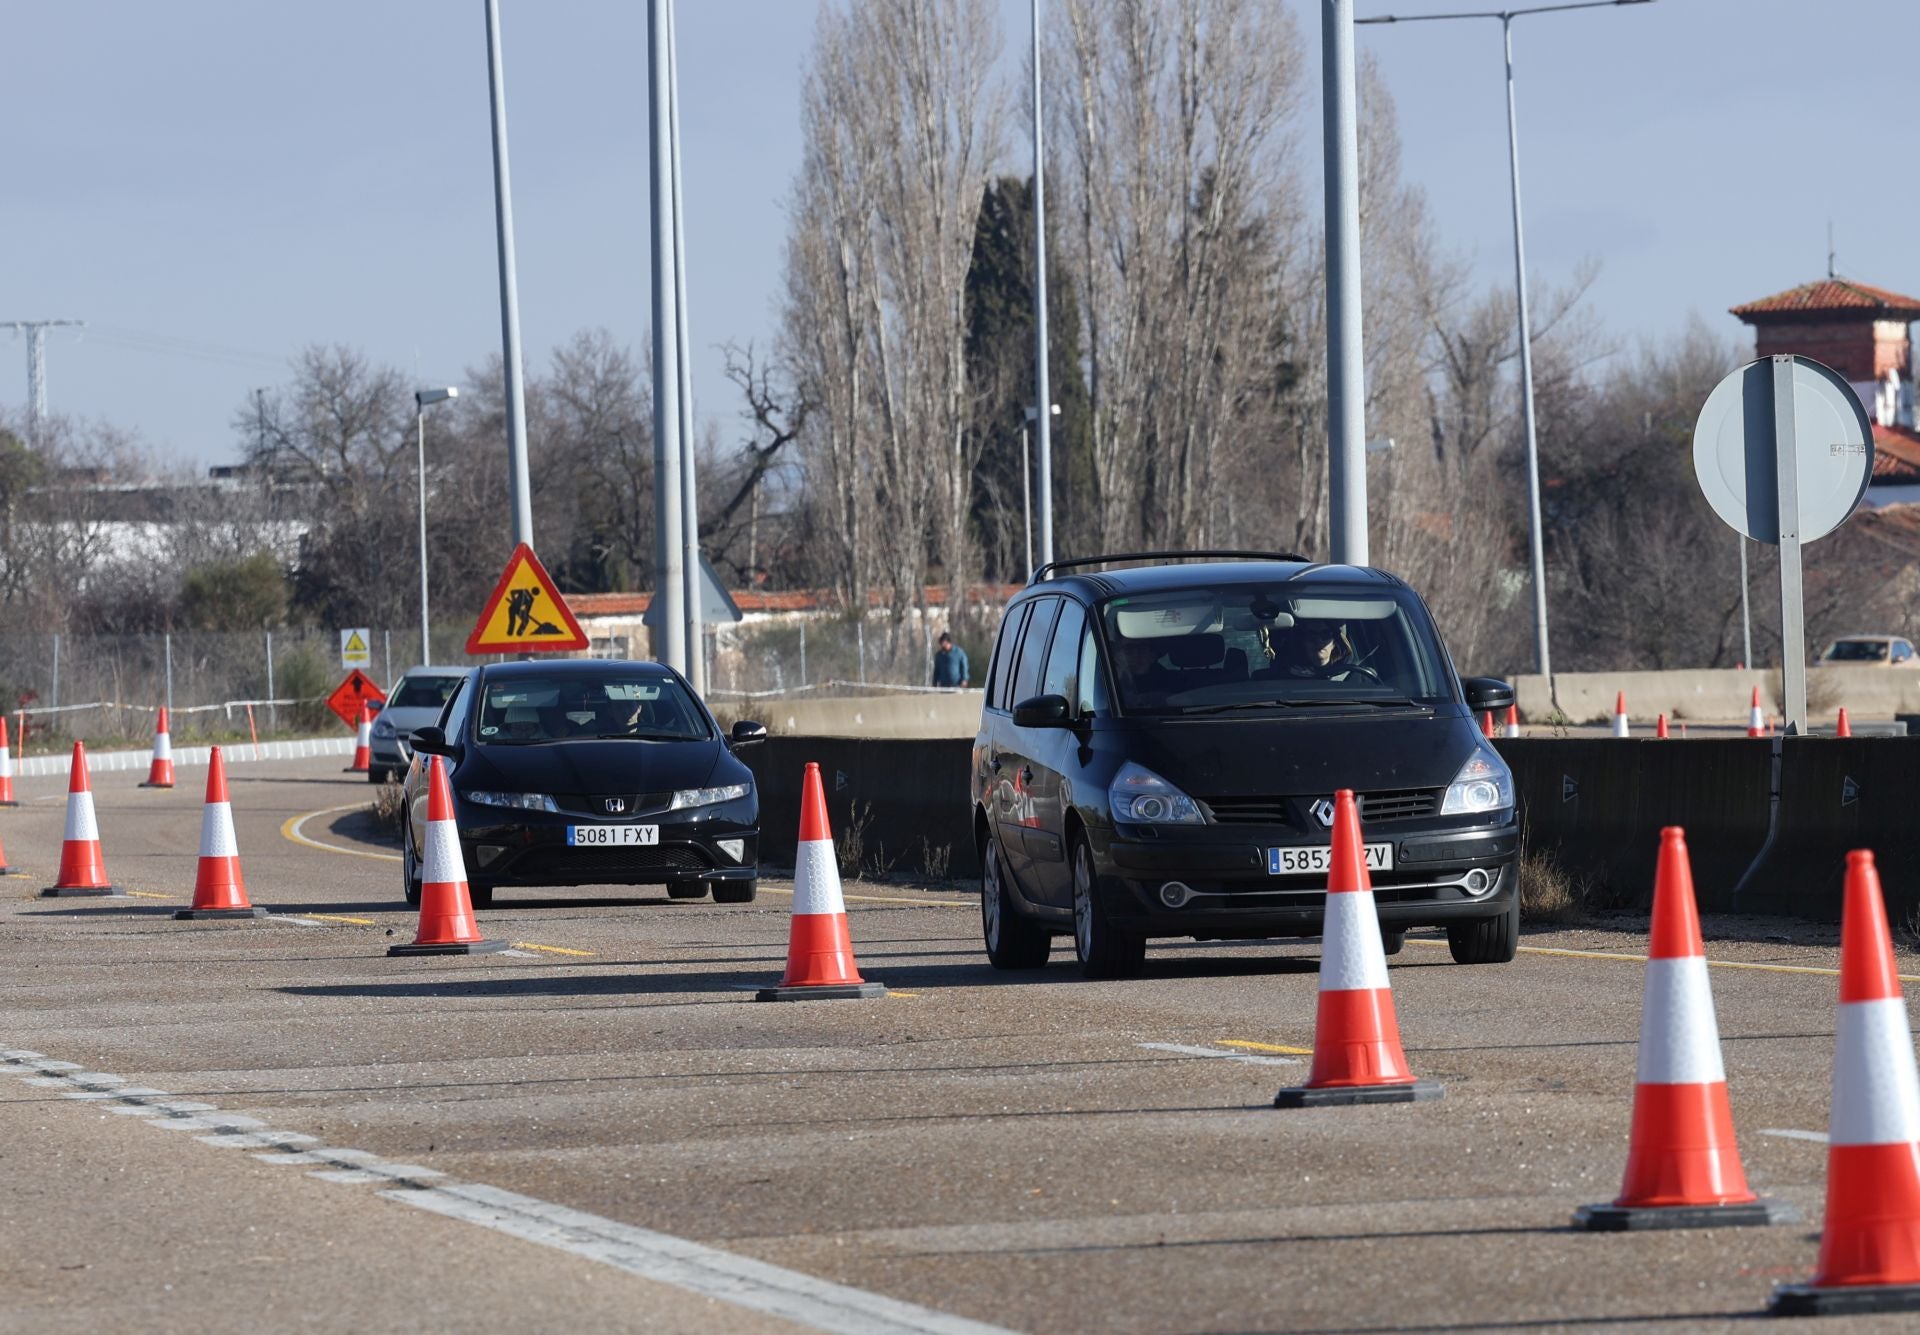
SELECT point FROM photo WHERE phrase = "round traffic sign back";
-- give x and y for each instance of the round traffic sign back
(1734, 446)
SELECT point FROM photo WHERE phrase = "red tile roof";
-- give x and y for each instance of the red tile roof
(789, 600)
(1896, 454)
(1829, 295)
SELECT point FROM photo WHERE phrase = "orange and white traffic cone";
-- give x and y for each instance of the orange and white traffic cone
(1841, 727)
(1870, 1246)
(160, 773)
(446, 908)
(820, 963)
(1620, 714)
(1513, 720)
(219, 890)
(6, 768)
(1357, 1056)
(1683, 1166)
(1660, 726)
(82, 870)
(1756, 721)
(363, 745)
(1486, 723)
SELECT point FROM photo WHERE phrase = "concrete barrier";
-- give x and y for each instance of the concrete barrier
(914, 714)
(905, 802)
(1713, 693)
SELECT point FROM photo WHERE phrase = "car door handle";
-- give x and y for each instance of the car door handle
(1026, 774)
(993, 763)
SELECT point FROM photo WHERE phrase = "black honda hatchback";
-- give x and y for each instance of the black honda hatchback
(1160, 746)
(590, 772)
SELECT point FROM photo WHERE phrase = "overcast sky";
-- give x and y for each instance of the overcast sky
(212, 184)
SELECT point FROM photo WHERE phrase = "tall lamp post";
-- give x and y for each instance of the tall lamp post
(1543, 663)
(421, 399)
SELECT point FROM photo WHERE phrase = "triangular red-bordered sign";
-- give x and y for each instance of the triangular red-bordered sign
(525, 613)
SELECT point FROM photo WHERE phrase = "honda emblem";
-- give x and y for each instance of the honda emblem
(616, 805)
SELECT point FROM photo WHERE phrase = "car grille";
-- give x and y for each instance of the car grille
(594, 805)
(610, 862)
(1404, 804)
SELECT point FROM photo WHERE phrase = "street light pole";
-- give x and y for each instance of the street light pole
(1543, 660)
(1346, 364)
(1041, 392)
(519, 488)
(696, 631)
(668, 500)
(421, 398)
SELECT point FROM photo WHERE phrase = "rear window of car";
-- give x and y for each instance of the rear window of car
(524, 710)
(1857, 651)
(1242, 647)
(424, 692)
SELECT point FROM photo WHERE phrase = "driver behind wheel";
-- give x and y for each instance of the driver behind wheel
(1311, 648)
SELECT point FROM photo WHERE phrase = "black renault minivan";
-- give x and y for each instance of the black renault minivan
(1160, 746)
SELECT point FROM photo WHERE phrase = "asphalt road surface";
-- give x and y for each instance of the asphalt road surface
(270, 1125)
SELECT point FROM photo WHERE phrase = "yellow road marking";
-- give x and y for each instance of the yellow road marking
(1252, 1046)
(149, 894)
(551, 950)
(1570, 953)
(897, 992)
(290, 829)
(339, 917)
(886, 899)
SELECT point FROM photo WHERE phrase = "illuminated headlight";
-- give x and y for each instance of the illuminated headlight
(384, 729)
(733, 848)
(1139, 795)
(707, 797)
(1484, 784)
(520, 801)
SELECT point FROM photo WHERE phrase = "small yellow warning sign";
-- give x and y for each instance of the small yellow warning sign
(525, 612)
(356, 648)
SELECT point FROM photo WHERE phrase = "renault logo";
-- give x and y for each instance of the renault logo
(616, 805)
(1323, 811)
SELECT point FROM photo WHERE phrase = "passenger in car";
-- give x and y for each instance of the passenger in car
(1309, 649)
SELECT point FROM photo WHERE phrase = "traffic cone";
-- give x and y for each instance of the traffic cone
(1870, 1247)
(219, 891)
(446, 910)
(363, 747)
(1756, 721)
(1840, 729)
(1356, 1037)
(820, 963)
(1486, 723)
(1513, 720)
(82, 872)
(1683, 1167)
(1660, 726)
(1620, 714)
(6, 768)
(160, 773)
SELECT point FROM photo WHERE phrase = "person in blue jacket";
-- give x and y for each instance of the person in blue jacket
(950, 667)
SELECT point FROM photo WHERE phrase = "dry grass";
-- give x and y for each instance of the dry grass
(1548, 891)
(935, 863)
(389, 808)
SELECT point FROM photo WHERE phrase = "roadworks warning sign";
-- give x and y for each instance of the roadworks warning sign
(525, 613)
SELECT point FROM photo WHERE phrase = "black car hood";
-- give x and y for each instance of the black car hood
(1242, 757)
(629, 766)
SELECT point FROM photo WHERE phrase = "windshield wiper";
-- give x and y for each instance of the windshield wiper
(1384, 701)
(636, 737)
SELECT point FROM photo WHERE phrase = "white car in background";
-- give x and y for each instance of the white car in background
(415, 702)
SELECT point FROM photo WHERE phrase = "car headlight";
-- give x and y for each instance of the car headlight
(1484, 784)
(383, 729)
(707, 797)
(1139, 795)
(520, 801)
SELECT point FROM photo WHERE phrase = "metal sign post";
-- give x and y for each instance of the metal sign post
(1793, 619)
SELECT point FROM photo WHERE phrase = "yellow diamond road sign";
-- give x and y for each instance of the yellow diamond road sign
(356, 648)
(525, 613)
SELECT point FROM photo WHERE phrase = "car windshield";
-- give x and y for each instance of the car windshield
(423, 692)
(1215, 650)
(521, 710)
(1857, 651)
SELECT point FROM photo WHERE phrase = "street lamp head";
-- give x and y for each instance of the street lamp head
(1032, 413)
(423, 397)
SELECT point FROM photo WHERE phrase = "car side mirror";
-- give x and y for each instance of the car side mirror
(746, 733)
(1487, 693)
(1043, 711)
(432, 742)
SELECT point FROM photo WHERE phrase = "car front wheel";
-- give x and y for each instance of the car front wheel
(736, 892)
(1494, 940)
(1104, 949)
(1013, 941)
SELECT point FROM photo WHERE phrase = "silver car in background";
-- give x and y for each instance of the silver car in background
(415, 702)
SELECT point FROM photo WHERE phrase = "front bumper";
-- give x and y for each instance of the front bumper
(526, 850)
(1442, 874)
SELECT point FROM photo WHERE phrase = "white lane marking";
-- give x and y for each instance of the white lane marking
(659, 1257)
(294, 922)
(1817, 1137)
(666, 1259)
(1187, 1050)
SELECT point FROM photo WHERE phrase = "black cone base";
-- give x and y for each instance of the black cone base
(356, 769)
(456, 948)
(1640, 1218)
(1843, 1299)
(1420, 1091)
(80, 891)
(156, 785)
(220, 913)
(822, 992)
(9, 803)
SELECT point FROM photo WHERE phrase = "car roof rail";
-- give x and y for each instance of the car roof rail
(1210, 554)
